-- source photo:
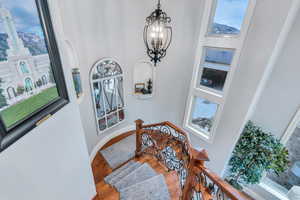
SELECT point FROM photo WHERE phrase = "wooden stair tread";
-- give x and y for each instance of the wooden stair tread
(106, 191)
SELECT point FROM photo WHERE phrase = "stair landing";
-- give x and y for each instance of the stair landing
(101, 169)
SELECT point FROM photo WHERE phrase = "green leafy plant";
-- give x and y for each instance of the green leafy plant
(256, 153)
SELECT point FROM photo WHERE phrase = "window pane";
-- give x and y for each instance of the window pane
(291, 177)
(105, 69)
(112, 119)
(120, 92)
(98, 94)
(102, 124)
(110, 95)
(218, 56)
(216, 66)
(214, 79)
(229, 16)
(121, 115)
(203, 114)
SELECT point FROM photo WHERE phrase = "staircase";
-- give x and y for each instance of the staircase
(159, 164)
(137, 181)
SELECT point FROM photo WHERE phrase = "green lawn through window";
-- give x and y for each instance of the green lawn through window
(19, 111)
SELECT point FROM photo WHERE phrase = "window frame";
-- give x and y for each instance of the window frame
(10, 135)
(202, 66)
(270, 185)
(105, 116)
(225, 41)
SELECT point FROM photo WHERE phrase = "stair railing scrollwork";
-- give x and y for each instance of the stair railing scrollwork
(170, 145)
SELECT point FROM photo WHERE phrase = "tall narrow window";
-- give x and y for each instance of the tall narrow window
(215, 63)
(23, 67)
(108, 95)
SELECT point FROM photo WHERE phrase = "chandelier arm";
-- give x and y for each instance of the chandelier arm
(150, 54)
(145, 37)
(171, 35)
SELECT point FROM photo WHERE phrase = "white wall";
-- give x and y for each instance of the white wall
(51, 161)
(280, 99)
(112, 28)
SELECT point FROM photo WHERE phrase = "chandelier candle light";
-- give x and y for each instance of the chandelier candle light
(157, 34)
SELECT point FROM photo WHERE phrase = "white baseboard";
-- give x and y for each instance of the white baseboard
(107, 138)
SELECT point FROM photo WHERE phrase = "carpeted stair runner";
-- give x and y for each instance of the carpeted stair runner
(136, 181)
(120, 152)
(153, 188)
(121, 172)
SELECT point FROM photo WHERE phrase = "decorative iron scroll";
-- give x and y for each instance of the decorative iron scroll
(173, 163)
(206, 185)
(171, 147)
(196, 196)
(164, 129)
(161, 141)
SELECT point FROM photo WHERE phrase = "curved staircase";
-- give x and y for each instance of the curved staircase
(156, 162)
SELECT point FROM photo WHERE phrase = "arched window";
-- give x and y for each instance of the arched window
(23, 67)
(44, 80)
(28, 84)
(108, 96)
(11, 92)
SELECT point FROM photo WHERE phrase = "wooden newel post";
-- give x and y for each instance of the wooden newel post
(139, 126)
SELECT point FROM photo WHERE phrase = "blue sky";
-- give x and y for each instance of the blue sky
(25, 15)
(204, 109)
(231, 12)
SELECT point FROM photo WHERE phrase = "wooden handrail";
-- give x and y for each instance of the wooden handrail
(153, 125)
(230, 191)
(195, 167)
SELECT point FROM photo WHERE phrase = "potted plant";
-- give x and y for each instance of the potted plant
(255, 154)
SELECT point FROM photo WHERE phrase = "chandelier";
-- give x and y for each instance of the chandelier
(157, 34)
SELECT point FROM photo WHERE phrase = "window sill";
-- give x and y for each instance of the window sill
(107, 129)
(198, 133)
(268, 186)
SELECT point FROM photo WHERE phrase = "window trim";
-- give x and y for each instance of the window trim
(10, 135)
(201, 67)
(92, 81)
(266, 183)
(233, 42)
